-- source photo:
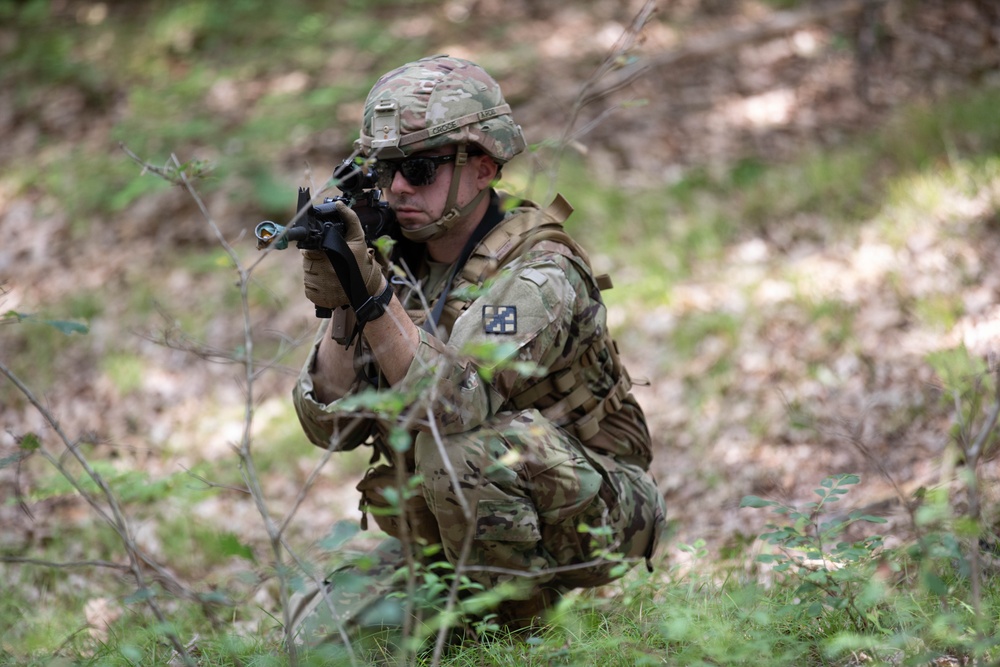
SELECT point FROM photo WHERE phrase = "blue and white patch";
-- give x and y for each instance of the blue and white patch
(500, 319)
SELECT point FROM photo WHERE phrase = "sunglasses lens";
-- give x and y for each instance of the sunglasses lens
(416, 170)
(384, 173)
(419, 170)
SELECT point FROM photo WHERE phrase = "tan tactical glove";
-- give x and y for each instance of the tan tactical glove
(322, 286)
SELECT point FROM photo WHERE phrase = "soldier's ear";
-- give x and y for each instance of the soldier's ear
(486, 171)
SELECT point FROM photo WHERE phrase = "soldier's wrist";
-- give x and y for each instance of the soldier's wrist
(376, 305)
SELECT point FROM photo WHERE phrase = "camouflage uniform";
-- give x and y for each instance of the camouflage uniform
(534, 458)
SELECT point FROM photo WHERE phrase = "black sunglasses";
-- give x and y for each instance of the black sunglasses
(416, 170)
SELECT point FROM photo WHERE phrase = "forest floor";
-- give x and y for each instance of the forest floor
(803, 398)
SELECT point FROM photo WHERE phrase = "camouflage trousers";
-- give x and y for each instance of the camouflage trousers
(528, 504)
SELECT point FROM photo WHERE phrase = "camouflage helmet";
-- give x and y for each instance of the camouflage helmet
(438, 101)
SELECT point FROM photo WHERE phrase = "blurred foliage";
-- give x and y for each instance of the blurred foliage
(153, 65)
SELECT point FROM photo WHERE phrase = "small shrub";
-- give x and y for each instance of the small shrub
(832, 574)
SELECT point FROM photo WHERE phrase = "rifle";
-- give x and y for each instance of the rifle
(319, 227)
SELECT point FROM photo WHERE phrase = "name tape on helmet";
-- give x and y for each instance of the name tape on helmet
(443, 127)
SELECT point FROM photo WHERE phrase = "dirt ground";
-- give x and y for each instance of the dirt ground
(727, 93)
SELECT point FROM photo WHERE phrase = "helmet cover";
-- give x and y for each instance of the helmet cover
(438, 101)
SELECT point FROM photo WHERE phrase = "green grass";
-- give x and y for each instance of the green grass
(704, 613)
(688, 620)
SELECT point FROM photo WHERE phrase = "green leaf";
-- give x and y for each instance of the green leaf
(805, 588)
(490, 354)
(215, 597)
(340, 533)
(230, 545)
(935, 584)
(400, 440)
(755, 501)
(140, 595)
(30, 442)
(956, 367)
(10, 460)
(131, 653)
(620, 570)
(67, 327)
(385, 244)
(431, 550)
(64, 326)
(388, 403)
(391, 495)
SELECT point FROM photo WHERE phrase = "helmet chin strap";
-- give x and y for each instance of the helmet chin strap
(452, 213)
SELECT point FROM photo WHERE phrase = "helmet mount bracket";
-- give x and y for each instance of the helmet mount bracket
(385, 129)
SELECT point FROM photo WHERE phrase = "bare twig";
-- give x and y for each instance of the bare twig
(779, 23)
(181, 175)
(548, 571)
(248, 467)
(976, 450)
(209, 484)
(461, 565)
(973, 449)
(856, 438)
(593, 89)
(76, 563)
(112, 514)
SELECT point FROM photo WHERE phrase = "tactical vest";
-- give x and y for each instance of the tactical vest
(564, 397)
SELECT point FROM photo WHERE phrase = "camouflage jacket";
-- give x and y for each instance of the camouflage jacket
(524, 327)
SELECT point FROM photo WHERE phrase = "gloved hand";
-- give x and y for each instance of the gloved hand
(322, 286)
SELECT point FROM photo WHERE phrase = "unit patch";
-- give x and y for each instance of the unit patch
(500, 319)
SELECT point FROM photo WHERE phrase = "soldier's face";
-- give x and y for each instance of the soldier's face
(419, 205)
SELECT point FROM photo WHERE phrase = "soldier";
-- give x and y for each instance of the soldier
(506, 464)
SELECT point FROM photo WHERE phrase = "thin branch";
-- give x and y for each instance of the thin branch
(116, 519)
(248, 466)
(209, 484)
(178, 174)
(549, 571)
(77, 563)
(976, 449)
(306, 487)
(461, 565)
(727, 41)
(973, 453)
(587, 93)
(592, 89)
